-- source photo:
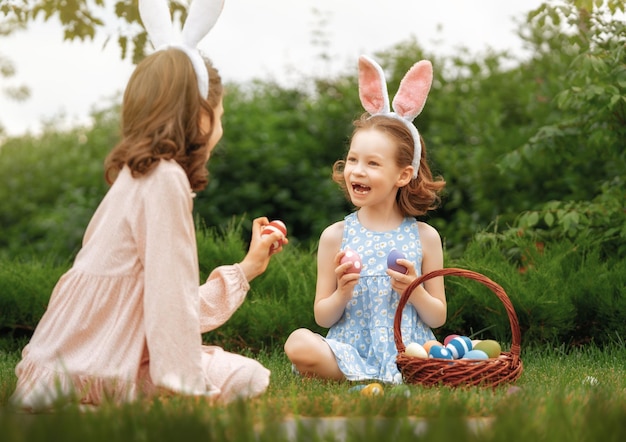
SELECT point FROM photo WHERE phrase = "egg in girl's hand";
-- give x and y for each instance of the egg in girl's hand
(416, 350)
(393, 256)
(275, 226)
(354, 258)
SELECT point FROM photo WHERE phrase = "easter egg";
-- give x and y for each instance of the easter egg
(391, 261)
(448, 338)
(459, 346)
(416, 350)
(428, 344)
(489, 346)
(440, 352)
(373, 389)
(354, 258)
(275, 226)
(475, 355)
(474, 342)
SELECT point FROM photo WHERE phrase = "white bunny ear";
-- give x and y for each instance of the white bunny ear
(372, 86)
(202, 16)
(157, 20)
(413, 91)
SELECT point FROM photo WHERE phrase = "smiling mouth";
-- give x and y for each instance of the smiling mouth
(360, 189)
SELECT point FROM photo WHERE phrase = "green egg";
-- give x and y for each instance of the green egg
(489, 346)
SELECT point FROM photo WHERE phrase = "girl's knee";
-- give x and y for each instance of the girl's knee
(297, 341)
(303, 347)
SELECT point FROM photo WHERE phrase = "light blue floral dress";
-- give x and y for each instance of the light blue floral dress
(362, 340)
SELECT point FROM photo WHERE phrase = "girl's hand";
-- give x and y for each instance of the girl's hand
(345, 280)
(400, 281)
(260, 251)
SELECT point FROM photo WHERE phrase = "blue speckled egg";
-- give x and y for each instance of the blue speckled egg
(440, 352)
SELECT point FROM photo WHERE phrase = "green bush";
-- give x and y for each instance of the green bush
(50, 187)
(562, 292)
(279, 301)
(507, 135)
(25, 288)
(276, 156)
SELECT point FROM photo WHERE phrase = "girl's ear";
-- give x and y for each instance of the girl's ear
(406, 175)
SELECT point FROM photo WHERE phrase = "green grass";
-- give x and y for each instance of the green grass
(555, 401)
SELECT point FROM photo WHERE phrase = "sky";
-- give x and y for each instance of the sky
(269, 39)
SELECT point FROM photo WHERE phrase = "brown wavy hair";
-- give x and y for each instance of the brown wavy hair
(422, 193)
(161, 113)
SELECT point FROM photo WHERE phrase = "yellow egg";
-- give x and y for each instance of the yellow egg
(489, 346)
(429, 344)
(374, 389)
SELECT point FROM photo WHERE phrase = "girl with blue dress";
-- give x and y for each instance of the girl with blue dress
(385, 174)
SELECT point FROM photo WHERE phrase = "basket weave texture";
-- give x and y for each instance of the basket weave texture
(460, 372)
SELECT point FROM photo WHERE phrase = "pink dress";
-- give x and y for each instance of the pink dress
(125, 321)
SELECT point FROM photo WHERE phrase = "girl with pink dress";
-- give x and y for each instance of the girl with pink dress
(125, 321)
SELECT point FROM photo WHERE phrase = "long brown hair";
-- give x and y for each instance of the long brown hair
(422, 193)
(161, 113)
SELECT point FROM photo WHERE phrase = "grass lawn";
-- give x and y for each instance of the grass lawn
(577, 395)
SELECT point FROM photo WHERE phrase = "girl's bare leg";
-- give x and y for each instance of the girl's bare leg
(312, 356)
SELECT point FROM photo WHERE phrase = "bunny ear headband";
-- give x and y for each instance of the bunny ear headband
(408, 102)
(201, 17)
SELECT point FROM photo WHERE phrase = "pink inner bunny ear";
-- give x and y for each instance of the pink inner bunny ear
(372, 86)
(413, 90)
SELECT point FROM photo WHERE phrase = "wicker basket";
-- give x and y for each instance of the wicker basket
(460, 372)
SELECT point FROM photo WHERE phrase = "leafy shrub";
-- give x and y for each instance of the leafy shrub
(564, 292)
(507, 135)
(276, 156)
(51, 186)
(25, 288)
(279, 301)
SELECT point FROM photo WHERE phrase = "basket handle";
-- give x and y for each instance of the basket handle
(451, 271)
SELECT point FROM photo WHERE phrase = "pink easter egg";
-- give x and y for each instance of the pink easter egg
(354, 258)
(275, 226)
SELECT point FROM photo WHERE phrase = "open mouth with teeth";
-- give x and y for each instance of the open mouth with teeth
(360, 189)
